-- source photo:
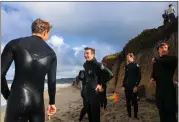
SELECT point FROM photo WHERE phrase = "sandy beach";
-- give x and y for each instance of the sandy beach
(116, 112)
(64, 97)
(69, 104)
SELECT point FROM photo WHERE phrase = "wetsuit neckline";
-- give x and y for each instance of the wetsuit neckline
(163, 56)
(92, 60)
(38, 37)
(131, 63)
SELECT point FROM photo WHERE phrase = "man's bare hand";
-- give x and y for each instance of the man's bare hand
(51, 110)
(122, 88)
(152, 82)
(135, 89)
(153, 60)
(99, 88)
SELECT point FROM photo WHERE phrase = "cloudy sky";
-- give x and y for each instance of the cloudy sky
(106, 26)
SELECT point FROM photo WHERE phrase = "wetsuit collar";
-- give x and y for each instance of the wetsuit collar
(92, 60)
(37, 37)
(131, 62)
(163, 55)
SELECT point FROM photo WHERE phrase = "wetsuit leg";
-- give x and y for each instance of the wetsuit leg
(14, 116)
(134, 101)
(128, 102)
(37, 115)
(160, 106)
(15, 112)
(83, 110)
(82, 113)
(166, 104)
(89, 112)
(105, 99)
(102, 100)
(95, 111)
(170, 107)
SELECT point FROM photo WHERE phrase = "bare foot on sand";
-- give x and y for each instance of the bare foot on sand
(102, 110)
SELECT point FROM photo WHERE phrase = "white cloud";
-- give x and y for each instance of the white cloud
(70, 59)
(91, 19)
(56, 41)
(78, 49)
(108, 23)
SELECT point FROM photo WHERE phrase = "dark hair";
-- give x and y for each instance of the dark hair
(39, 26)
(162, 44)
(89, 48)
(170, 5)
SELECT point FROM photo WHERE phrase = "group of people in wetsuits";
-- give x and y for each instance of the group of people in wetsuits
(164, 67)
(34, 59)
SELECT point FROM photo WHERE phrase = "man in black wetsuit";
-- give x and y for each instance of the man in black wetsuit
(81, 79)
(33, 59)
(130, 83)
(164, 68)
(96, 74)
(103, 97)
(103, 100)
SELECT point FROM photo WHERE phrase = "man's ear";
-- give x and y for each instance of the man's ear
(45, 32)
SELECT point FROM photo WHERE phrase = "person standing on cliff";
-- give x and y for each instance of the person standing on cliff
(96, 74)
(130, 83)
(171, 13)
(165, 17)
(164, 67)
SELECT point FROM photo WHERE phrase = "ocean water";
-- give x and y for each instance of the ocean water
(63, 85)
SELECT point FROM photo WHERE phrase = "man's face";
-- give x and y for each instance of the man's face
(129, 58)
(163, 50)
(88, 55)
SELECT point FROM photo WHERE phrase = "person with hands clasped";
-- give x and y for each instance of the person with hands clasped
(130, 83)
(96, 74)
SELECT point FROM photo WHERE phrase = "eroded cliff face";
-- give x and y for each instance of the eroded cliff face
(144, 47)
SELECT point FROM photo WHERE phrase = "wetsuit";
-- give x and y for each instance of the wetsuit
(81, 80)
(33, 59)
(105, 77)
(163, 71)
(103, 96)
(132, 79)
(94, 73)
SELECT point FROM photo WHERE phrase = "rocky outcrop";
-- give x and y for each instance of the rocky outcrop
(144, 47)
